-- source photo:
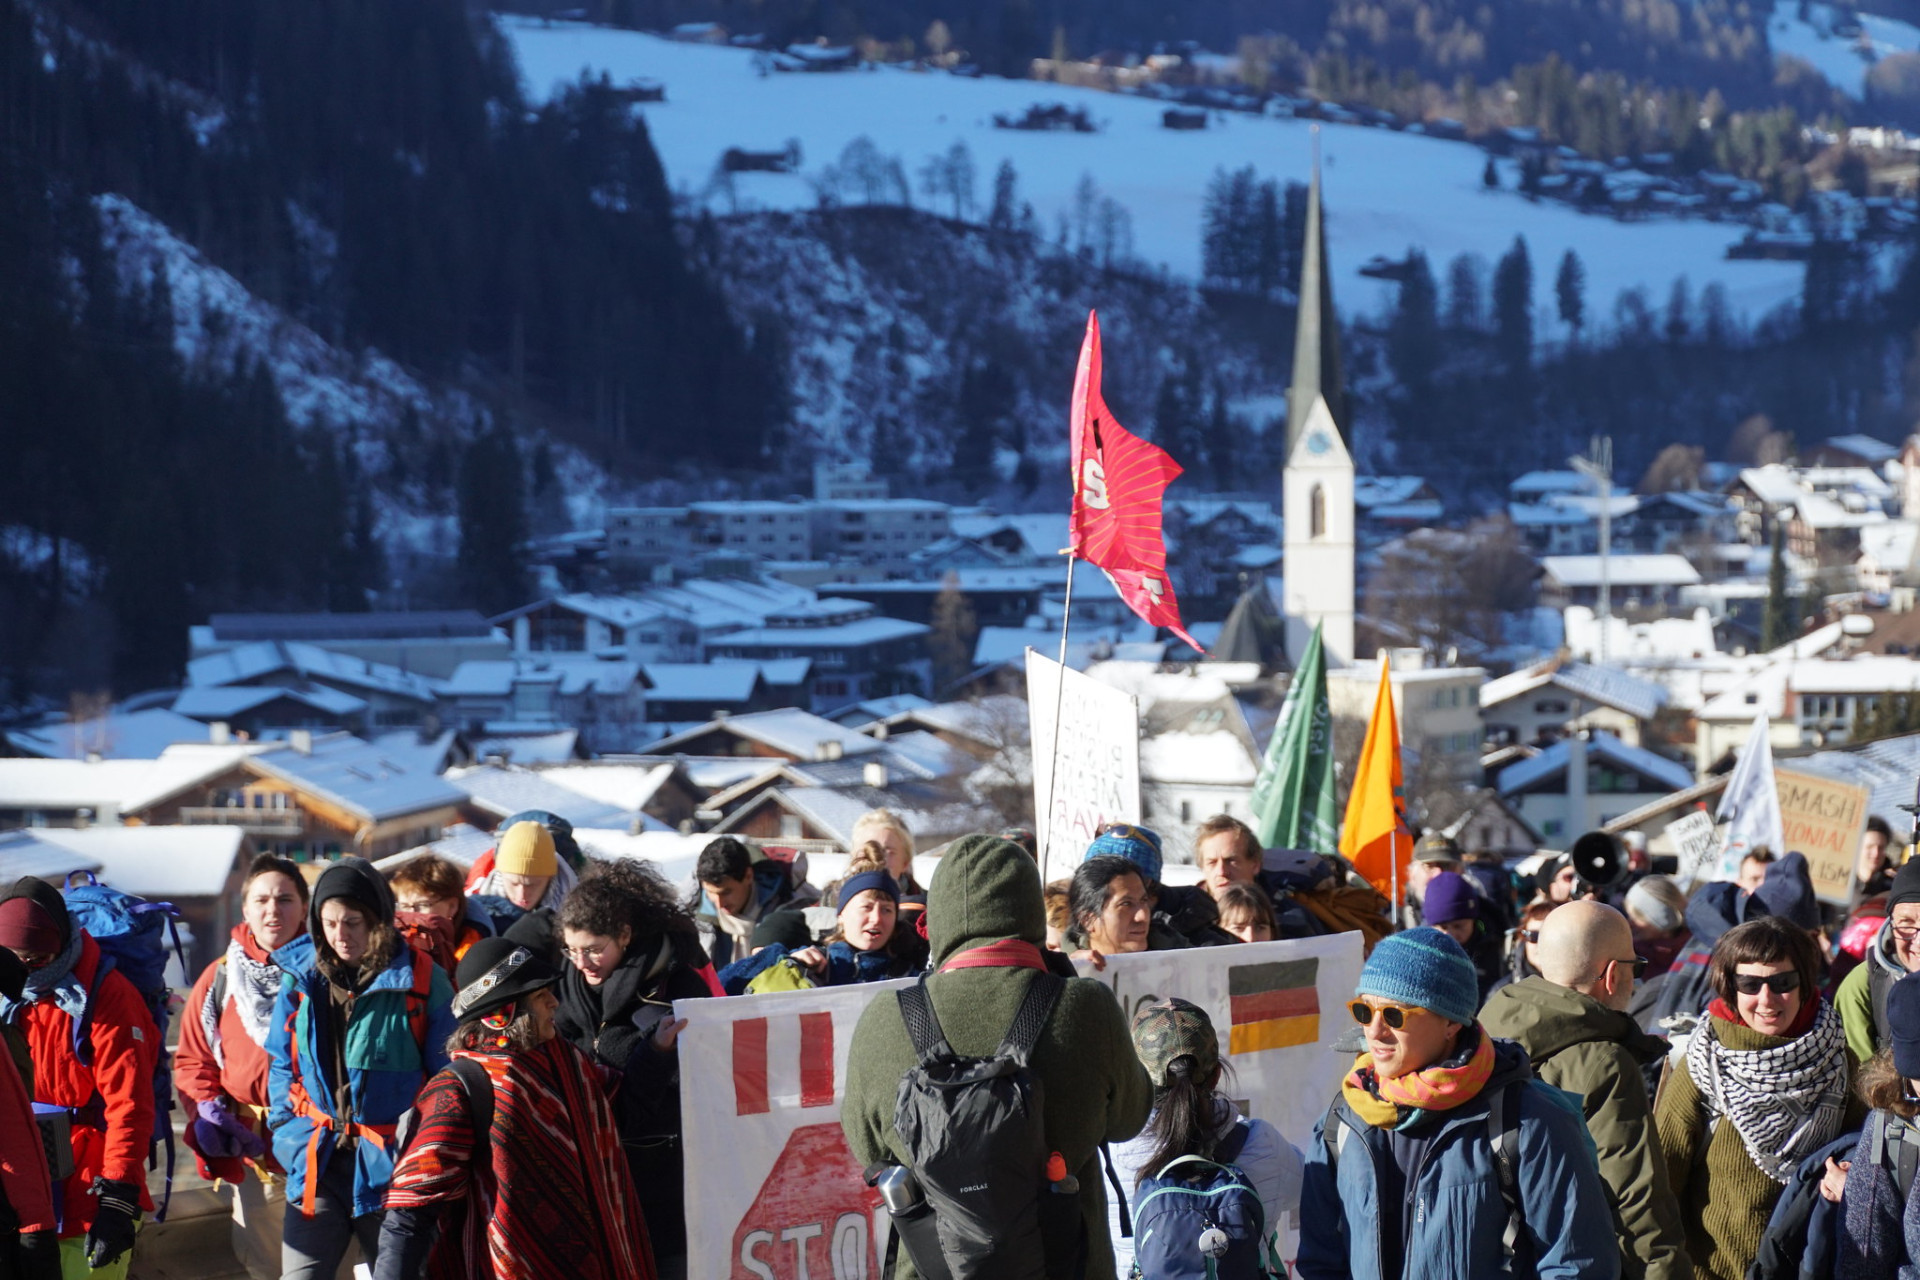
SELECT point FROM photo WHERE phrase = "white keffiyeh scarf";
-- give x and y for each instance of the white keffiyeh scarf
(253, 986)
(1787, 1101)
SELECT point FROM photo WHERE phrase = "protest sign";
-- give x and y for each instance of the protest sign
(1692, 837)
(773, 1193)
(1088, 772)
(1823, 819)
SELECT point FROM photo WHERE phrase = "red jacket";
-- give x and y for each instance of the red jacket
(197, 1072)
(24, 1180)
(126, 1049)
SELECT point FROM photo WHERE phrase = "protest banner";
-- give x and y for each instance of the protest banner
(1087, 773)
(1692, 837)
(773, 1193)
(1824, 820)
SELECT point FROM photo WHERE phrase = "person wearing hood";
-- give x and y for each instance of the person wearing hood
(1402, 1166)
(526, 872)
(542, 1193)
(739, 884)
(1894, 953)
(220, 1067)
(1572, 1021)
(107, 1093)
(987, 926)
(361, 1023)
(1714, 909)
(1763, 1085)
(29, 1235)
(632, 951)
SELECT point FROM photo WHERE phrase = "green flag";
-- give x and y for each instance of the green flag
(1293, 800)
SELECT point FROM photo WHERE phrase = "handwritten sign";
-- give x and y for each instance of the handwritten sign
(1086, 763)
(1692, 837)
(1822, 819)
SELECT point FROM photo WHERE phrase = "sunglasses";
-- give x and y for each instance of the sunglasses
(1639, 965)
(1531, 935)
(1395, 1016)
(1749, 984)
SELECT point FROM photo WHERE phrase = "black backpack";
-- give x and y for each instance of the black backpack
(976, 1146)
(1801, 1239)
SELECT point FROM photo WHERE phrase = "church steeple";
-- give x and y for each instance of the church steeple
(1316, 333)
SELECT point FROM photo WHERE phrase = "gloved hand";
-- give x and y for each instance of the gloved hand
(219, 1132)
(39, 1255)
(111, 1234)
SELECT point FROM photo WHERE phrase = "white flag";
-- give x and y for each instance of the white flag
(1751, 803)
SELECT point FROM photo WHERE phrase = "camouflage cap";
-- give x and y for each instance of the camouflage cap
(1174, 1028)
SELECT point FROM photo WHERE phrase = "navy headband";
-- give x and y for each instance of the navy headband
(865, 880)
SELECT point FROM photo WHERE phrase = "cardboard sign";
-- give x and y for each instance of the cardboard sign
(1692, 837)
(1824, 820)
(773, 1193)
(1086, 773)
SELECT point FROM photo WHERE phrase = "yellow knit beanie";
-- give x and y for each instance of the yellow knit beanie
(526, 850)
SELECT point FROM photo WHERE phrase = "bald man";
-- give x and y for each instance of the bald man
(1571, 1019)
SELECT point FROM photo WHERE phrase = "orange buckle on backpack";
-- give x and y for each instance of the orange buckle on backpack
(378, 1134)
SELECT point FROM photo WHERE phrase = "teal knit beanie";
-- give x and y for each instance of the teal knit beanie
(1426, 969)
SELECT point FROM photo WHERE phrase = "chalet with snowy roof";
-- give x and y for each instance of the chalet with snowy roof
(1889, 557)
(322, 797)
(1488, 824)
(168, 788)
(635, 628)
(1808, 701)
(876, 530)
(1549, 700)
(116, 735)
(1851, 451)
(1649, 583)
(603, 699)
(855, 653)
(495, 792)
(790, 734)
(1677, 522)
(999, 597)
(699, 691)
(1390, 503)
(425, 642)
(394, 698)
(272, 711)
(1584, 782)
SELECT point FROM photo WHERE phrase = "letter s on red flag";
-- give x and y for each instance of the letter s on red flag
(1118, 481)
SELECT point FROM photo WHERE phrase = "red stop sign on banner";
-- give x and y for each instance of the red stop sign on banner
(814, 1218)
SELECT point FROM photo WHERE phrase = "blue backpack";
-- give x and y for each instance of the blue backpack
(134, 937)
(1202, 1220)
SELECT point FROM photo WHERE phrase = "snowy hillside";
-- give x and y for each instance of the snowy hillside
(1385, 191)
(1843, 60)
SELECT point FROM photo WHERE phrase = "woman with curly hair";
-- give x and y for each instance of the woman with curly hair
(634, 950)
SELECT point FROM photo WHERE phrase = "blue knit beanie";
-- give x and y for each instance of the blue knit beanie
(1137, 845)
(1903, 1025)
(1423, 968)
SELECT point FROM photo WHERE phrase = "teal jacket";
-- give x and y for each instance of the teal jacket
(396, 1042)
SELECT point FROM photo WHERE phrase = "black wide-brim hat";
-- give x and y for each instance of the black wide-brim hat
(494, 973)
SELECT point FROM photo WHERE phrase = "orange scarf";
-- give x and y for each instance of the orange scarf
(1396, 1103)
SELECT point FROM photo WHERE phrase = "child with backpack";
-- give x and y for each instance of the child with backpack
(361, 1023)
(1200, 1167)
(1879, 1230)
(95, 1049)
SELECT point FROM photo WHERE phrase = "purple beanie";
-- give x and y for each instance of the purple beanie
(1448, 897)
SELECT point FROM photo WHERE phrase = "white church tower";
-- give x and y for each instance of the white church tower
(1317, 485)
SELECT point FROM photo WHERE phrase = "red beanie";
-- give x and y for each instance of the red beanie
(27, 926)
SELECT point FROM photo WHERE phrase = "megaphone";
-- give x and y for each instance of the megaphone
(1598, 859)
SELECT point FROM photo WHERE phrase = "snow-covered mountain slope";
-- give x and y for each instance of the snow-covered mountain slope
(1843, 59)
(1385, 191)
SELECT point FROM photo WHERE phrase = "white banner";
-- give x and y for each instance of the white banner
(773, 1193)
(1692, 838)
(1088, 773)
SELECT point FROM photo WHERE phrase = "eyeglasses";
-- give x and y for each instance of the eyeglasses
(1395, 1016)
(1749, 984)
(424, 906)
(592, 953)
(1904, 930)
(1638, 964)
(1531, 935)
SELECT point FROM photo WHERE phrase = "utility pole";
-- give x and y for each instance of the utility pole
(1597, 465)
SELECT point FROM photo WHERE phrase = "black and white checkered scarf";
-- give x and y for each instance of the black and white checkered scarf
(1787, 1101)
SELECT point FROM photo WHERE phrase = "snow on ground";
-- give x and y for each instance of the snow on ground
(1843, 60)
(1385, 191)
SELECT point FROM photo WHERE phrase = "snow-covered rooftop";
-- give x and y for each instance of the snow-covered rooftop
(502, 790)
(219, 702)
(1218, 759)
(1622, 571)
(360, 777)
(792, 732)
(861, 631)
(1605, 685)
(125, 785)
(157, 862)
(249, 662)
(1604, 746)
(119, 735)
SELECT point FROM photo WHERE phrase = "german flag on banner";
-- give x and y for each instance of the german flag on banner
(1274, 1006)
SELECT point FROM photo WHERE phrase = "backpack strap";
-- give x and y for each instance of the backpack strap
(1119, 1192)
(1228, 1149)
(479, 1089)
(1896, 1148)
(916, 1011)
(1503, 1132)
(83, 1025)
(1036, 1006)
(418, 994)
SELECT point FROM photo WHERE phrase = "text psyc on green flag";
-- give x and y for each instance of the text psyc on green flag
(1293, 798)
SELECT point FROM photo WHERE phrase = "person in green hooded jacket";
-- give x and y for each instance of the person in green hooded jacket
(987, 925)
(1571, 1019)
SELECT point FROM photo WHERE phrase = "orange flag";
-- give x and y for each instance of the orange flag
(1375, 837)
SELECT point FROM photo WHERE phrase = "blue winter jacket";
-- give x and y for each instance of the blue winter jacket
(386, 1065)
(1456, 1215)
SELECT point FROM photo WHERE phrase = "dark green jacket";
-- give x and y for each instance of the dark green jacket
(1094, 1089)
(1579, 1045)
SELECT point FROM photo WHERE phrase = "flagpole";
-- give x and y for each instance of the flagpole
(1044, 821)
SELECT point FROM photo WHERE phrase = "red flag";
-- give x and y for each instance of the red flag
(1118, 480)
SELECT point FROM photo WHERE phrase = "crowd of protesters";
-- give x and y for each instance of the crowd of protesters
(474, 1072)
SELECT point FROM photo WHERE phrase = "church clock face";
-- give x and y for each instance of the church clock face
(1317, 442)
